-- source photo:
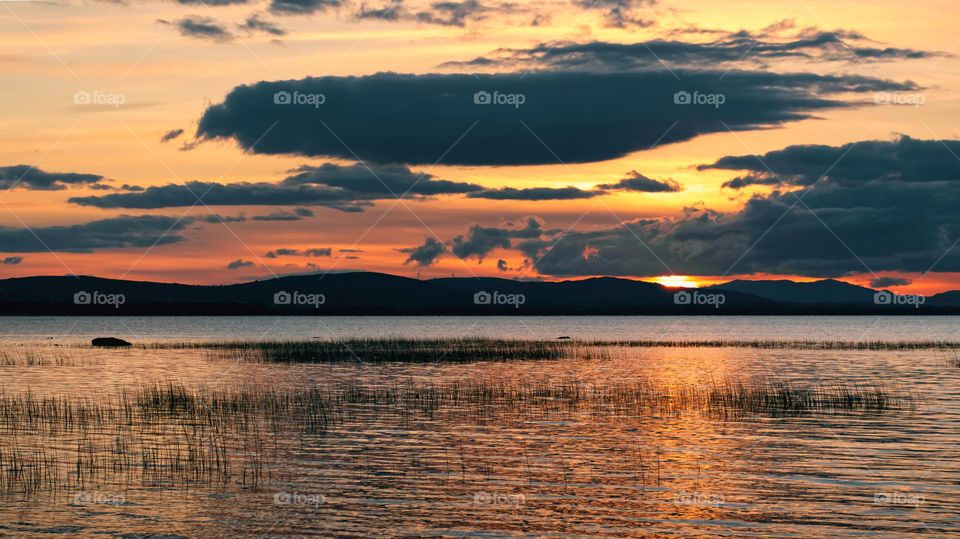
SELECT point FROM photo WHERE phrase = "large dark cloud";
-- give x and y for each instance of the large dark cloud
(581, 117)
(905, 160)
(114, 233)
(28, 177)
(343, 187)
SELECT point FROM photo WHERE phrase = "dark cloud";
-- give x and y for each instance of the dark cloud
(216, 219)
(343, 187)
(534, 193)
(254, 24)
(581, 117)
(298, 214)
(619, 13)
(634, 181)
(214, 3)
(480, 240)
(315, 252)
(201, 28)
(453, 13)
(303, 7)
(739, 49)
(28, 177)
(426, 254)
(904, 159)
(170, 135)
(11, 260)
(885, 282)
(239, 264)
(391, 11)
(114, 233)
(502, 265)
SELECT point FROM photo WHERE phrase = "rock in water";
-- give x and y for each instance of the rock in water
(110, 342)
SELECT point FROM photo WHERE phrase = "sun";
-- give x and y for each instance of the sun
(676, 281)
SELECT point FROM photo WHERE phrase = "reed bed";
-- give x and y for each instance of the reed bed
(466, 350)
(45, 357)
(165, 433)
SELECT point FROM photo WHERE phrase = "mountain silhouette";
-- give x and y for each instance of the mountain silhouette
(367, 293)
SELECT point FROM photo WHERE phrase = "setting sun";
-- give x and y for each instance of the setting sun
(677, 281)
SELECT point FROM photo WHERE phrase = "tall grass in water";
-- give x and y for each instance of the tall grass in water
(165, 433)
(403, 350)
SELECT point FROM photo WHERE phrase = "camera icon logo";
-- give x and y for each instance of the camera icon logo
(482, 298)
(682, 98)
(282, 298)
(482, 98)
(82, 298)
(82, 98)
(282, 98)
(883, 298)
(282, 498)
(682, 298)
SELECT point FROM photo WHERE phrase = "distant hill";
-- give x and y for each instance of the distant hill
(364, 293)
(829, 291)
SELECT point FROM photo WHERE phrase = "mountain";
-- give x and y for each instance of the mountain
(828, 291)
(364, 293)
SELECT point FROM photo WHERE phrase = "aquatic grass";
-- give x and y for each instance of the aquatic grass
(467, 350)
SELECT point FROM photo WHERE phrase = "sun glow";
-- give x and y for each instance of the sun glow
(677, 281)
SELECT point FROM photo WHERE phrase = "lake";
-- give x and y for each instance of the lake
(98, 442)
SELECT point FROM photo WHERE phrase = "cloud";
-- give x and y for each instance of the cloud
(216, 219)
(254, 24)
(344, 187)
(903, 159)
(298, 214)
(638, 182)
(170, 135)
(215, 3)
(741, 50)
(502, 265)
(392, 11)
(618, 13)
(426, 254)
(239, 264)
(303, 7)
(315, 252)
(11, 260)
(534, 193)
(28, 177)
(201, 28)
(886, 282)
(114, 233)
(480, 240)
(445, 13)
(580, 117)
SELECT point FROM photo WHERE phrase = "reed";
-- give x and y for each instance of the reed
(465, 350)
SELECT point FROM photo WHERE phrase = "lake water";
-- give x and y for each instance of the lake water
(384, 470)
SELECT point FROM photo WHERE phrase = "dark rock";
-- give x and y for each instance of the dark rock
(110, 342)
(564, 337)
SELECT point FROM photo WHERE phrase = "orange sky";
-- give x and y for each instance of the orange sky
(50, 51)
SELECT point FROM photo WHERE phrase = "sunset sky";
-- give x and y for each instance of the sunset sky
(156, 140)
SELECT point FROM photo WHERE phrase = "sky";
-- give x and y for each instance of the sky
(688, 142)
